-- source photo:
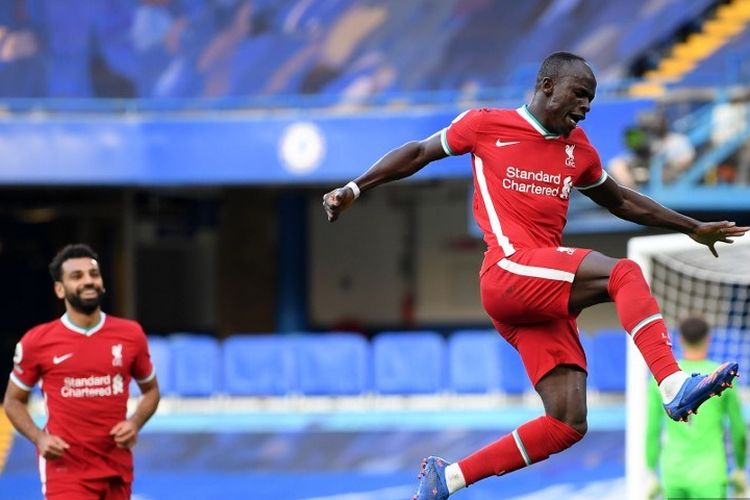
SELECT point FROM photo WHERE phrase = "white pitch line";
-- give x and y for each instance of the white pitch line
(392, 493)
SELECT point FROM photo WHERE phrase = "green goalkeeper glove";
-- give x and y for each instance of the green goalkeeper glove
(654, 487)
(738, 480)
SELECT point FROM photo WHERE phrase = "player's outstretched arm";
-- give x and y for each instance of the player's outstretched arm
(15, 406)
(631, 205)
(398, 163)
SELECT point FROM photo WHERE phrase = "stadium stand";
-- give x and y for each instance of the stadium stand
(727, 66)
(334, 364)
(474, 361)
(471, 362)
(340, 364)
(182, 95)
(258, 365)
(409, 362)
(587, 342)
(513, 378)
(731, 342)
(348, 48)
(708, 52)
(161, 356)
(195, 361)
(607, 366)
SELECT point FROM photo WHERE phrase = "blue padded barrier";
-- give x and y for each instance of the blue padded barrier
(608, 366)
(195, 361)
(474, 361)
(333, 364)
(409, 362)
(259, 365)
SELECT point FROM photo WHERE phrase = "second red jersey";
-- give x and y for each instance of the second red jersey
(523, 176)
(85, 377)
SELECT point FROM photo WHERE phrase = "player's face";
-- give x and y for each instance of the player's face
(570, 97)
(81, 286)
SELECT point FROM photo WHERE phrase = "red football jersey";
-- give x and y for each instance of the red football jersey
(85, 377)
(523, 175)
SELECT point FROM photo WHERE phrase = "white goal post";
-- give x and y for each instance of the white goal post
(685, 278)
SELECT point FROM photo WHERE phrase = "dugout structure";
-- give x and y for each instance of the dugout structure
(686, 279)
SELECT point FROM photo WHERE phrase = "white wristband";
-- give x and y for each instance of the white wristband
(355, 189)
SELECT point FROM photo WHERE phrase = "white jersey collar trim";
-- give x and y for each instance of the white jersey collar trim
(531, 119)
(84, 331)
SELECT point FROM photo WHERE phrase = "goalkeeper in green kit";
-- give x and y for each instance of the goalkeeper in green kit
(691, 456)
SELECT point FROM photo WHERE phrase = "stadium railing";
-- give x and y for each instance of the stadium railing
(492, 95)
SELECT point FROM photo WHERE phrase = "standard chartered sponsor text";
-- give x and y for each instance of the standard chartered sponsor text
(515, 176)
(93, 386)
(528, 175)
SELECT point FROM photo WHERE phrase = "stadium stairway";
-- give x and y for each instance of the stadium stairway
(730, 20)
(701, 126)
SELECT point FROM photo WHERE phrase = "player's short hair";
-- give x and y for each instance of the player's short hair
(693, 330)
(553, 65)
(72, 251)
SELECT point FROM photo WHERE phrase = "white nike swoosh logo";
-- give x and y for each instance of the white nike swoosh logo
(59, 359)
(500, 143)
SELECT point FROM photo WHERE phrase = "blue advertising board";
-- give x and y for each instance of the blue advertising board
(238, 147)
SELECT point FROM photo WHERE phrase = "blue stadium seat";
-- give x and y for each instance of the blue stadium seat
(409, 362)
(258, 365)
(272, 60)
(608, 365)
(474, 361)
(162, 360)
(677, 345)
(333, 364)
(587, 342)
(195, 361)
(161, 357)
(513, 377)
(728, 344)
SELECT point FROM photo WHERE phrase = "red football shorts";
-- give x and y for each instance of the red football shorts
(110, 488)
(527, 295)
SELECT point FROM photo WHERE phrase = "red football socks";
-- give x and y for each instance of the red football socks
(640, 316)
(532, 442)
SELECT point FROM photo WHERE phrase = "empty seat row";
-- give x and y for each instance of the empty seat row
(423, 362)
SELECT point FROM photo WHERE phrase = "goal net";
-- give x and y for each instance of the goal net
(686, 279)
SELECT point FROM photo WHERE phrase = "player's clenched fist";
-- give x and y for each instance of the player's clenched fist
(51, 447)
(336, 201)
(125, 434)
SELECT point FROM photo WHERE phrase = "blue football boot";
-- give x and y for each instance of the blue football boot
(432, 484)
(699, 388)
